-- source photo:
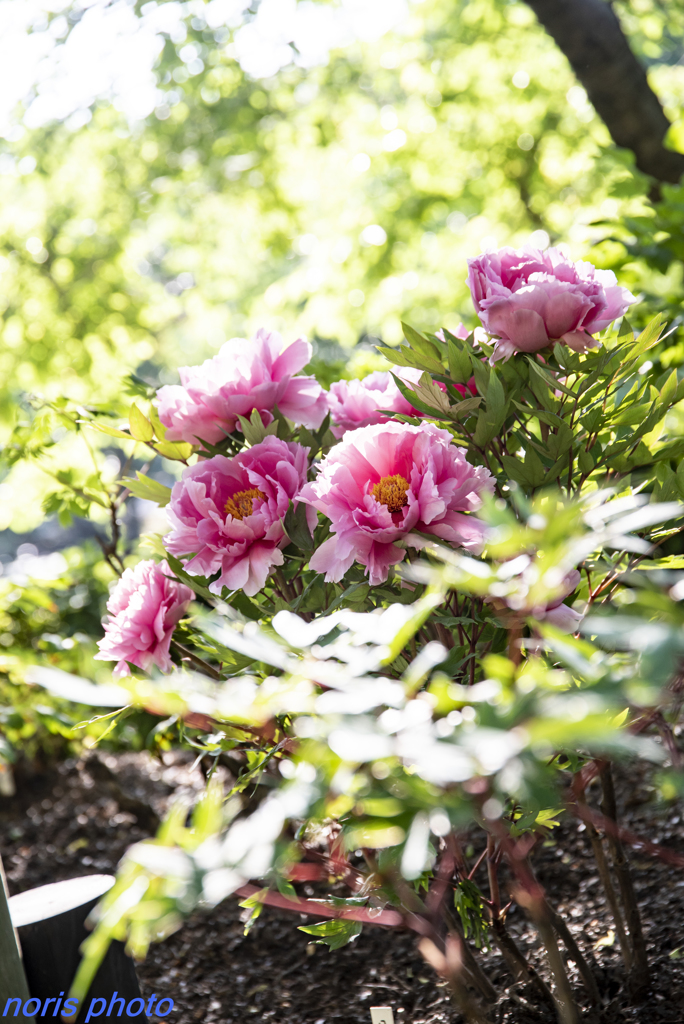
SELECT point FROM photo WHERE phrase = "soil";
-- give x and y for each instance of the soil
(80, 816)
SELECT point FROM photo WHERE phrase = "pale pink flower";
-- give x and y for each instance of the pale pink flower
(144, 608)
(357, 403)
(559, 614)
(241, 377)
(227, 514)
(381, 483)
(522, 605)
(528, 298)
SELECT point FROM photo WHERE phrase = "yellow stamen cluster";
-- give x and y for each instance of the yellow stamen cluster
(391, 491)
(241, 504)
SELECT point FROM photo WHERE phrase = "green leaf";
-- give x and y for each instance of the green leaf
(335, 933)
(254, 429)
(150, 490)
(648, 337)
(485, 429)
(432, 395)
(178, 570)
(515, 470)
(159, 428)
(297, 527)
(668, 392)
(480, 373)
(426, 350)
(141, 428)
(110, 431)
(460, 369)
(551, 382)
(413, 397)
(177, 452)
(496, 400)
(464, 408)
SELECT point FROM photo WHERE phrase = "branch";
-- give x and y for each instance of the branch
(383, 918)
(589, 34)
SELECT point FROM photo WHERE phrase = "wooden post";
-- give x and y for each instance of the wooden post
(12, 978)
(51, 925)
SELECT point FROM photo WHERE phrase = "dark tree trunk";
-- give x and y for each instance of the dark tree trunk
(589, 34)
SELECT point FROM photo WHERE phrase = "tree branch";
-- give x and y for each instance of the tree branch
(589, 34)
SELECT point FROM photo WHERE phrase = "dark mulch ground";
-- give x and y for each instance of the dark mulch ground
(80, 816)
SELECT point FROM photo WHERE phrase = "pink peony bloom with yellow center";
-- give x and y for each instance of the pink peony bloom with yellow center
(144, 608)
(528, 299)
(381, 483)
(241, 377)
(227, 514)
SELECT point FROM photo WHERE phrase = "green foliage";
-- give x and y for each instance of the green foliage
(333, 934)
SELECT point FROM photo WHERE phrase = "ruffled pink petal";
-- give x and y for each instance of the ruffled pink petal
(563, 617)
(524, 328)
(579, 341)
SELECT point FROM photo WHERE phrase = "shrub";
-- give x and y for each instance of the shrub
(445, 621)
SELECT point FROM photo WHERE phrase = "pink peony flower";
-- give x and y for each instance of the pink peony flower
(227, 514)
(529, 298)
(144, 608)
(357, 403)
(521, 602)
(384, 481)
(243, 376)
(559, 614)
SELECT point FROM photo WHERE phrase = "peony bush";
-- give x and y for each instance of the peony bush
(408, 617)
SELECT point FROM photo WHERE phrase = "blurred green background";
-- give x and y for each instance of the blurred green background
(176, 174)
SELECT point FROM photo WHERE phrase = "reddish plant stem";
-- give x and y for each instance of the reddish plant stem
(451, 965)
(530, 895)
(515, 960)
(639, 975)
(382, 918)
(608, 887)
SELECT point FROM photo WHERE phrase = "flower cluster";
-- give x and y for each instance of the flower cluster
(390, 482)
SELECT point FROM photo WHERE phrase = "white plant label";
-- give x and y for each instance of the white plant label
(381, 1015)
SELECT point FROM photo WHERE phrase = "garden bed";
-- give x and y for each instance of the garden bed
(80, 816)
